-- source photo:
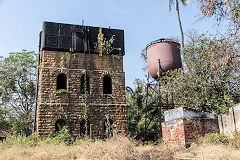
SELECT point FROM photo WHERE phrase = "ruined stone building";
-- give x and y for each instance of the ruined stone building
(70, 67)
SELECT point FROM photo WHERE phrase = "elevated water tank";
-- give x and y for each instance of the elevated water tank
(163, 55)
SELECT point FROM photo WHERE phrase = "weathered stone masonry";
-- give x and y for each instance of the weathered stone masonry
(69, 106)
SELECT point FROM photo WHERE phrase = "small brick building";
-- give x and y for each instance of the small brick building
(68, 72)
(186, 125)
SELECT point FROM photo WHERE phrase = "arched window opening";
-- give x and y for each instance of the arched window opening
(107, 85)
(61, 81)
(84, 126)
(108, 128)
(84, 84)
(60, 123)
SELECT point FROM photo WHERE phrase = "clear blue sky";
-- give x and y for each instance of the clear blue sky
(142, 20)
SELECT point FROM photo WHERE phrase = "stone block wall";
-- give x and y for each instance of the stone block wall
(69, 106)
(230, 123)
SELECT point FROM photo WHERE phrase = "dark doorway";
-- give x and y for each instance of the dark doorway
(84, 84)
(107, 85)
(84, 127)
(60, 123)
(61, 81)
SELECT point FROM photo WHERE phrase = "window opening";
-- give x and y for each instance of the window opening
(61, 81)
(60, 123)
(107, 85)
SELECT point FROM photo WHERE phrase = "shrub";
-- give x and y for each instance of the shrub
(61, 91)
(217, 139)
(18, 140)
(235, 141)
(63, 136)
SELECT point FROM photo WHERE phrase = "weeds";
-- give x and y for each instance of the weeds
(221, 139)
(63, 136)
(235, 141)
(22, 141)
(216, 139)
(213, 146)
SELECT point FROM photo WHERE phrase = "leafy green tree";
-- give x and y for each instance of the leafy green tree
(4, 119)
(136, 101)
(17, 89)
(211, 81)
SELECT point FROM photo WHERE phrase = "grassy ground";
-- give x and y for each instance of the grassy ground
(119, 148)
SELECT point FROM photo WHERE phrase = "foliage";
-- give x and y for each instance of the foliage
(104, 46)
(135, 102)
(135, 99)
(86, 104)
(63, 136)
(226, 13)
(17, 89)
(217, 139)
(211, 80)
(235, 140)
(63, 59)
(4, 121)
(222, 9)
(20, 140)
(60, 91)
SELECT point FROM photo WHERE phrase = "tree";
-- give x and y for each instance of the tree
(4, 121)
(212, 81)
(226, 11)
(17, 89)
(136, 101)
(184, 2)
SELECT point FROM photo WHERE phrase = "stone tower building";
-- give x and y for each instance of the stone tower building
(66, 76)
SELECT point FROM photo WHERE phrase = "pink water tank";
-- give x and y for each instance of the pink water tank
(163, 52)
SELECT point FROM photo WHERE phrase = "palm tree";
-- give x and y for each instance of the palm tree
(184, 2)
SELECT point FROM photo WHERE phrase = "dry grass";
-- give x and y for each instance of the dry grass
(120, 148)
(209, 152)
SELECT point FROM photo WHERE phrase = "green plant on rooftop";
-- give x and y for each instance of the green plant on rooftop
(104, 46)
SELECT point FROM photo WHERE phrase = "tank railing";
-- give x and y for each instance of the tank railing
(161, 40)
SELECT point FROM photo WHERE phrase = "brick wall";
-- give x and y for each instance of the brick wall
(69, 106)
(186, 128)
(196, 127)
(173, 131)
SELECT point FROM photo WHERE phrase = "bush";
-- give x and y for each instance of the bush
(216, 139)
(235, 141)
(63, 136)
(18, 140)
